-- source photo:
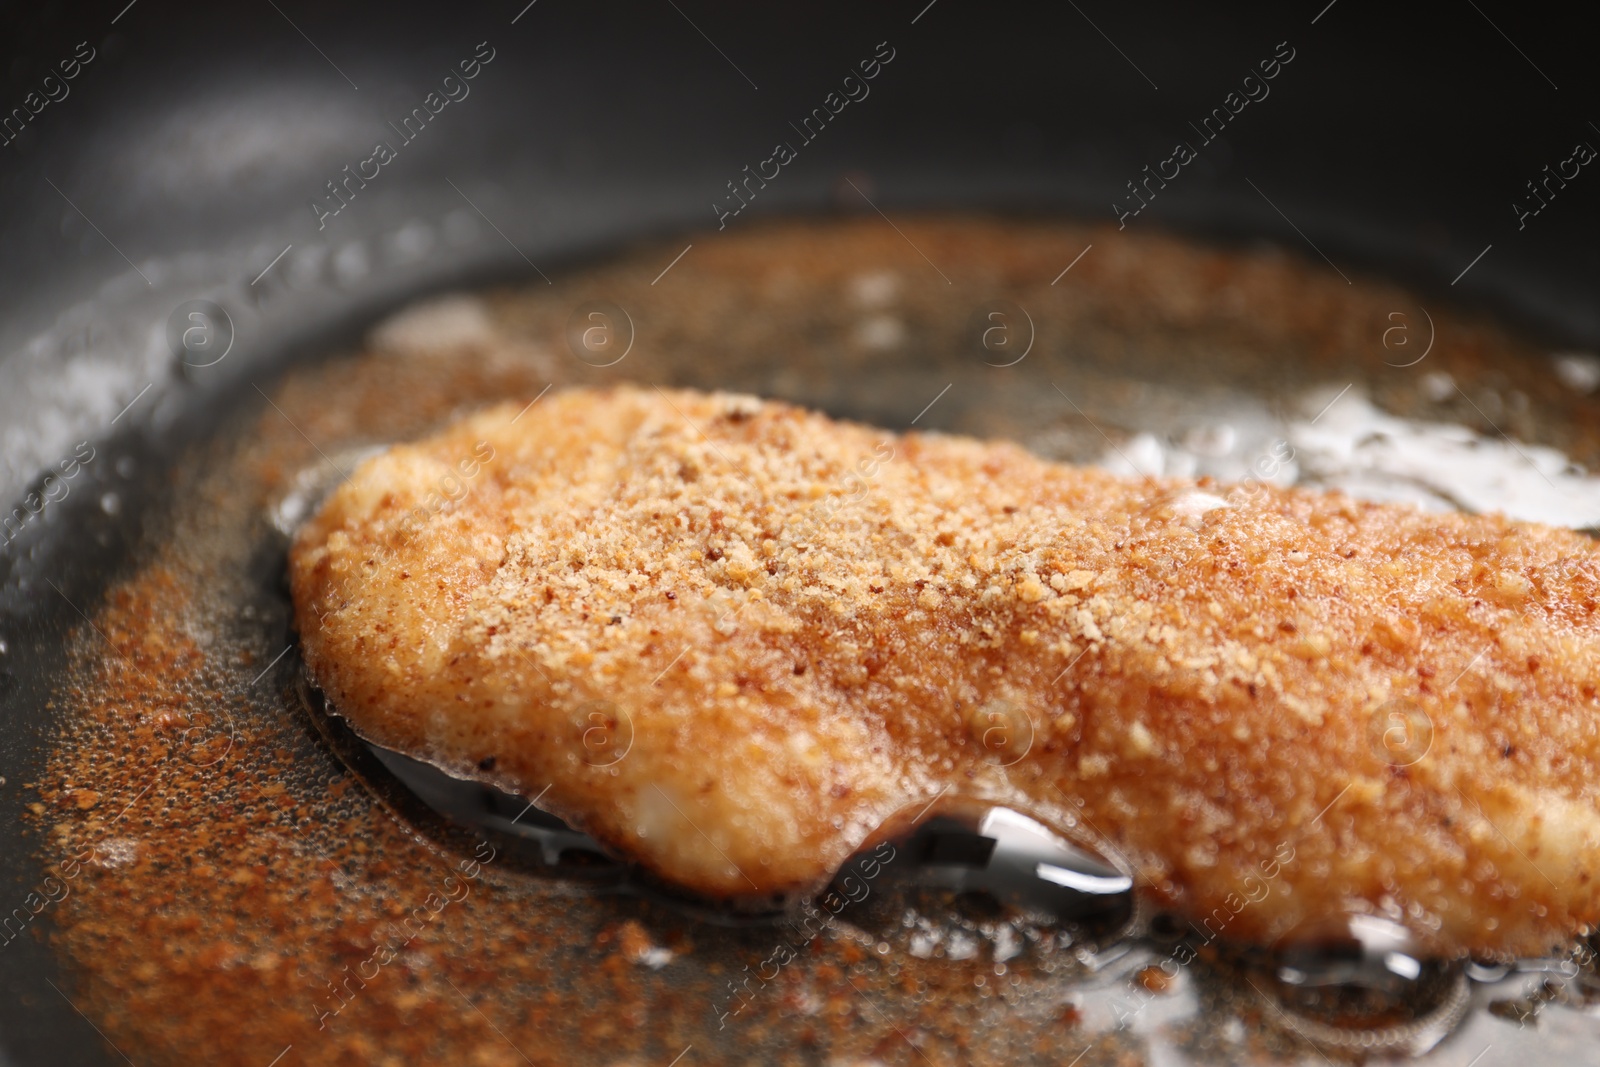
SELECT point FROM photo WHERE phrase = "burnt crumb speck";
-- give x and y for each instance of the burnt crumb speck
(616, 620)
(486, 763)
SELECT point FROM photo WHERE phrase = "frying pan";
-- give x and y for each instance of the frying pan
(174, 173)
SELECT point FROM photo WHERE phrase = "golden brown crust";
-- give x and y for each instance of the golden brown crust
(796, 627)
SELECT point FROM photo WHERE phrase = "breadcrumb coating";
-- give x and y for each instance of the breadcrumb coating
(730, 638)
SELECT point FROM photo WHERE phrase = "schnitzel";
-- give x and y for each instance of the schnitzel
(730, 638)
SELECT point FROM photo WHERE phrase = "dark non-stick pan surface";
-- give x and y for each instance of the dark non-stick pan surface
(187, 147)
